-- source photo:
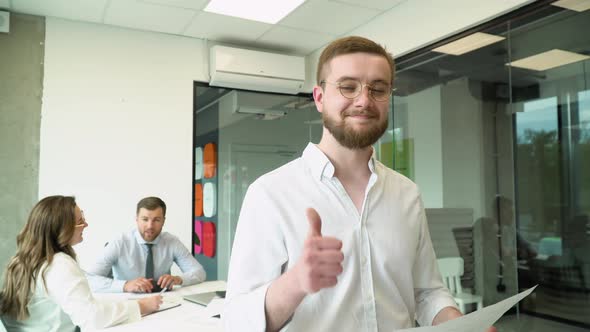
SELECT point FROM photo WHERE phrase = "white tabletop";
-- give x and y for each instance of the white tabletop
(186, 317)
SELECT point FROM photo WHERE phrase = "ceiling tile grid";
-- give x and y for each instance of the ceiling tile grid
(80, 10)
(309, 27)
(380, 5)
(225, 28)
(328, 17)
(294, 41)
(147, 16)
(186, 4)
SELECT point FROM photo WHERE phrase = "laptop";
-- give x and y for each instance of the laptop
(204, 298)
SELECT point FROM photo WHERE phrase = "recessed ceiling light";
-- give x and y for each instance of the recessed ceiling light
(267, 11)
(577, 5)
(469, 43)
(548, 60)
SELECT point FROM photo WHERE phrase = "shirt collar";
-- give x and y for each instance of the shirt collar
(140, 240)
(321, 166)
(372, 161)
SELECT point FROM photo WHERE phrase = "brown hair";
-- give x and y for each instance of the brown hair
(151, 203)
(348, 45)
(48, 231)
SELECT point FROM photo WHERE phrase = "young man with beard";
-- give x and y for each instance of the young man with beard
(334, 240)
(139, 261)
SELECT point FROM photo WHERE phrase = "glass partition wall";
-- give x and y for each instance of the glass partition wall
(553, 172)
(499, 148)
(505, 144)
(253, 133)
(453, 112)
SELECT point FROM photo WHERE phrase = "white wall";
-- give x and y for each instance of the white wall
(117, 124)
(424, 127)
(463, 148)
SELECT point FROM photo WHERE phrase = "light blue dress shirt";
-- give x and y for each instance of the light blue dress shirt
(124, 259)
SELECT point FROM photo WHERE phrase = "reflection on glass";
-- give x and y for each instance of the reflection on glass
(453, 128)
(255, 133)
(502, 157)
(552, 172)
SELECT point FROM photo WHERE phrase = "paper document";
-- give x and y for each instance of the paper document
(477, 321)
(168, 302)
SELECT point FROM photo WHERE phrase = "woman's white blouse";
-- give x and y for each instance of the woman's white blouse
(67, 302)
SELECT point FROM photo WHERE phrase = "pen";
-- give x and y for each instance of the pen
(163, 290)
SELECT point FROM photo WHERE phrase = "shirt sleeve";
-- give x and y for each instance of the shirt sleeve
(192, 271)
(257, 258)
(67, 286)
(100, 275)
(429, 290)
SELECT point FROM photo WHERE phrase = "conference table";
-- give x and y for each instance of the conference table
(187, 316)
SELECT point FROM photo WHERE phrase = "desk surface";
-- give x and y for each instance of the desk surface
(186, 317)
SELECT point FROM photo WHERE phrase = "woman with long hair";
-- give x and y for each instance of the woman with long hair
(44, 287)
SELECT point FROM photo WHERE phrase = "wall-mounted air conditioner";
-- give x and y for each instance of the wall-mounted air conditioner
(254, 70)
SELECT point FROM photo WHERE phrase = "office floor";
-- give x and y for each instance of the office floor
(526, 323)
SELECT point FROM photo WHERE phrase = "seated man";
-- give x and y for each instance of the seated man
(139, 261)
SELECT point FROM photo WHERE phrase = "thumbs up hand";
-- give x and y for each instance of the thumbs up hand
(321, 260)
(315, 223)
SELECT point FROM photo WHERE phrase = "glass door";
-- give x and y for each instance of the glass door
(552, 157)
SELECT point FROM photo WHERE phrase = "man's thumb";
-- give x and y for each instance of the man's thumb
(315, 222)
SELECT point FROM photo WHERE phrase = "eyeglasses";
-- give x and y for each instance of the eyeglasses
(82, 221)
(352, 88)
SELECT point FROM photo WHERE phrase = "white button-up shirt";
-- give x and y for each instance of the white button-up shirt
(390, 275)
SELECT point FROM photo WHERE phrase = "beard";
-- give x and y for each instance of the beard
(351, 138)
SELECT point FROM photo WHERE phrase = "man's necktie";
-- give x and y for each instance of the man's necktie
(149, 262)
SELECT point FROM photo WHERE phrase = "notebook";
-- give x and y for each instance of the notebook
(167, 303)
(203, 298)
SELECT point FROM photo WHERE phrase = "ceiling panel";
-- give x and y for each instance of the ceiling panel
(374, 4)
(188, 4)
(184, 17)
(328, 17)
(225, 28)
(78, 10)
(146, 16)
(294, 41)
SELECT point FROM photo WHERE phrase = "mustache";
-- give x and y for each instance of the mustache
(365, 112)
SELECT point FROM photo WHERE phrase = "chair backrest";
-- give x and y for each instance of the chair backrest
(451, 270)
(2, 327)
